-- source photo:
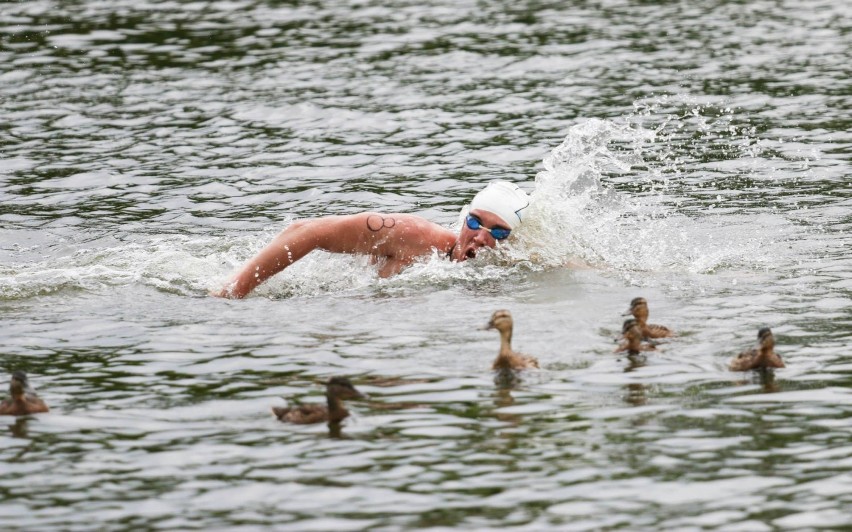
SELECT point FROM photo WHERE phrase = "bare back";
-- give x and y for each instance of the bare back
(399, 239)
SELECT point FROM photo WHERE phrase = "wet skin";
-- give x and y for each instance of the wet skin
(394, 241)
(471, 241)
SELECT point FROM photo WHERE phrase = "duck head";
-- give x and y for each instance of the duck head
(19, 384)
(765, 338)
(631, 331)
(638, 308)
(341, 388)
(501, 320)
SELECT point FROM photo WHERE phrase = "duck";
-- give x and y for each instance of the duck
(337, 389)
(763, 356)
(639, 310)
(507, 359)
(24, 399)
(631, 333)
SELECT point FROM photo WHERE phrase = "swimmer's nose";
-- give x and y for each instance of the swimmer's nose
(481, 237)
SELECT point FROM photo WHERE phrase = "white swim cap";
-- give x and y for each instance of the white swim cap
(504, 199)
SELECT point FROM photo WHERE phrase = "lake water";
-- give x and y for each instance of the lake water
(695, 155)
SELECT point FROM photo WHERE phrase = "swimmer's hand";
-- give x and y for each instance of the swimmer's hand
(224, 292)
(579, 264)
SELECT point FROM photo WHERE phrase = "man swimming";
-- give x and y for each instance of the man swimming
(394, 241)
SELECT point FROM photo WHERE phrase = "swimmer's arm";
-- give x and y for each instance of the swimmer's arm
(336, 234)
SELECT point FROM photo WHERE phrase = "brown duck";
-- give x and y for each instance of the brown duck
(760, 357)
(639, 310)
(24, 399)
(506, 358)
(632, 338)
(337, 389)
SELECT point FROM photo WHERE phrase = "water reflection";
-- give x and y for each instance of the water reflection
(20, 427)
(335, 430)
(767, 380)
(507, 379)
(636, 392)
(764, 377)
(635, 361)
(503, 399)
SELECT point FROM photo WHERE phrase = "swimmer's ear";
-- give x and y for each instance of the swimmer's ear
(462, 215)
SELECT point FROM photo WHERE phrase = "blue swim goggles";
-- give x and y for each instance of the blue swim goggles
(499, 233)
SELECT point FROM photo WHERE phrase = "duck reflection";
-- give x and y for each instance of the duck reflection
(766, 377)
(635, 361)
(20, 428)
(334, 431)
(636, 394)
(506, 379)
(503, 398)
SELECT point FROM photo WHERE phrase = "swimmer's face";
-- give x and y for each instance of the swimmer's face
(471, 241)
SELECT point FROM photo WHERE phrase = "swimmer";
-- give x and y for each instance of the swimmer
(394, 241)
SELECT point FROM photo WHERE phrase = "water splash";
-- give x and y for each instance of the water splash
(600, 202)
(609, 196)
(174, 263)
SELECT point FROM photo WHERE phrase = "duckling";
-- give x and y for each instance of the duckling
(506, 358)
(337, 389)
(632, 334)
(761, 357)
(24, 399)
(639, 310)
